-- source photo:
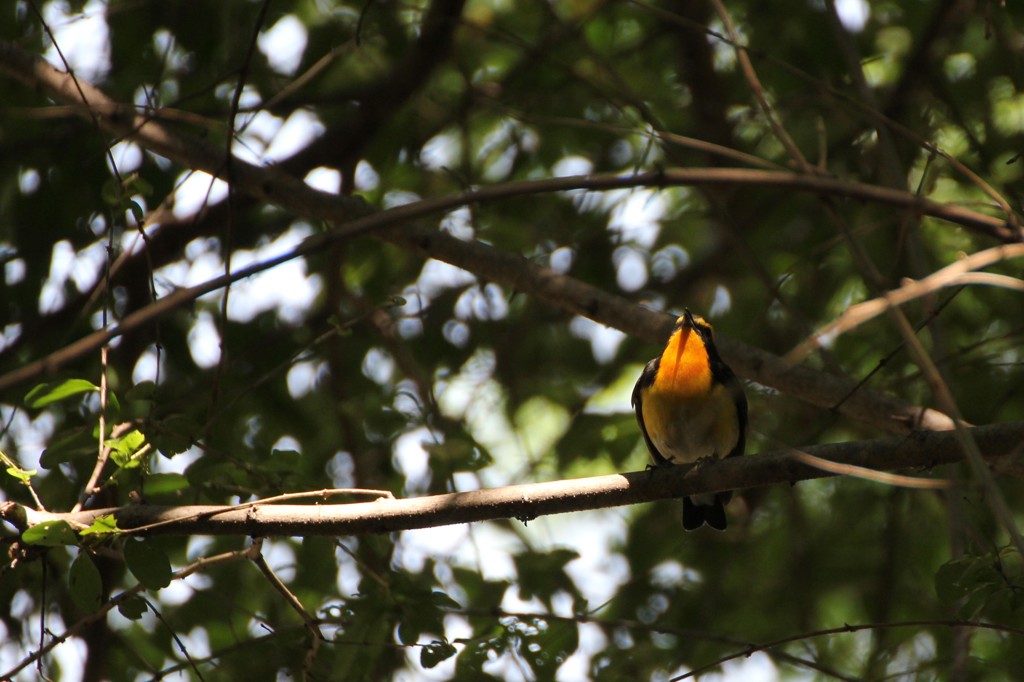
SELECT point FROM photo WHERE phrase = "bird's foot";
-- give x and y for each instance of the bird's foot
(702, 462)
(656, 466)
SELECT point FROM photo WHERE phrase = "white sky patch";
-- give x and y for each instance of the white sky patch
(722, 302)
(127, 156)
(398, 197)
(204, 267)
(301, 379)
(82, 268)
(577, 666)
(324, 179)
(286, 288)
(83, 38)
(724, 53)
(443, 542)
(568, 166)
(280, 555)
(367, 177)
(87, 265)
(28, 436)
(483, 303)
(440, 151)
(196, 642)
(283, 44)
(28, 181)
(636, 215)
(177, 465)
(146, 367)
(459, 223)
(853, 14)
(300, 129)
(10, 333)
(412, 459)
(561, 259)
(437, 277)
(13, 270)
(378, 366)
(630, 268)
(257, 133)
(180, 591)
(604, 341)
(196, 189)
(204, 341)
(592, 534)
(758, 667)
(52, 296)
(285, 443)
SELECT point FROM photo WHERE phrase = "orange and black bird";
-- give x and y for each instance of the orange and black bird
(691, 408)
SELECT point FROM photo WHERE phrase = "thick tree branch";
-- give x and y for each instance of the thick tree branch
(124, 121)
(919, 451)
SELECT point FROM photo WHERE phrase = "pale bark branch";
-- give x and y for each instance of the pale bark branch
(919, 451)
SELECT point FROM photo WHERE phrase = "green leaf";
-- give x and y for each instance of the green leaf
(113, 405)
(408, 632)
(23, 475)
(165, 484)
(110, 192)
(144, 390)
(45, 394)
(133, 607)
(435, 653)
(68, 445)
(137, 184)
(137, 212)
(104, 525)
(174, 435)
(541, 575)
(50, 534)
(443, 600)
(148, 564)
(124, 447)
(139, 401)
(85, 583)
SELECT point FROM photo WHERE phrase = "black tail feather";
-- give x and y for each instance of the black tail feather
(696, 515)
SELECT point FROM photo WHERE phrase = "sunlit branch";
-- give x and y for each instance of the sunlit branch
(919, 451)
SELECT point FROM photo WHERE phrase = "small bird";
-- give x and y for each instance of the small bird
(691, 408)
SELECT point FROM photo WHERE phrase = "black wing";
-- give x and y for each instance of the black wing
(646, 379)
(724, 375)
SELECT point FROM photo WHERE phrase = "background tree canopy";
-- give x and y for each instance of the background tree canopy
(474, 207)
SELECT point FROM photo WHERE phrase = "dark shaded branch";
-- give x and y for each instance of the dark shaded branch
(921, 450)
(123, 121)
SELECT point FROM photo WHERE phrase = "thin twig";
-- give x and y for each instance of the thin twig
(746, 653)
(870, 474)
(757, 90)
(311, 624)
(101, 613)
(955, 274)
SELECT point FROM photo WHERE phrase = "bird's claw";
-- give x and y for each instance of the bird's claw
(702, 462)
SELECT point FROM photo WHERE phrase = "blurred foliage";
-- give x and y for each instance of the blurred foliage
(366, 366)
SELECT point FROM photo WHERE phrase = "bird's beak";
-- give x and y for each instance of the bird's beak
(689, 318)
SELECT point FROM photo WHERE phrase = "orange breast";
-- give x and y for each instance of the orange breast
(684, 371)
